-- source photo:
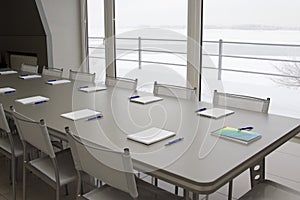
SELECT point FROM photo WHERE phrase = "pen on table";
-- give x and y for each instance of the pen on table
(134, 97)
(24, 75)
(96, 117)
(248, 128)
(51, 80)
(200, 109)
(174, 141)
(7, 92)
(39, 102)
(85, 86)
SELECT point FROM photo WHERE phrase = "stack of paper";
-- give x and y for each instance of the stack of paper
(33, 100)
(237, 135)
(57, 82)
(215, 113)
(30, 76)
(93, 88)
(82, 114)
(151, 135)
(8, 72)
(7, 90)
(146, 99)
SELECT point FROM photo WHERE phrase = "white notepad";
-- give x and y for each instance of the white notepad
(8, 72)
(7, 90)
(81, 114)
(151, 135)
(33, 100)
(146, 99)
(93, 88)
(30, 76)
(215, 113)
(57, 82)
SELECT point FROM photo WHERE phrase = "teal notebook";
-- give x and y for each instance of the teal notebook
(234, 134)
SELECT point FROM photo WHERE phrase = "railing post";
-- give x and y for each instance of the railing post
(220, 59)
(140, 52)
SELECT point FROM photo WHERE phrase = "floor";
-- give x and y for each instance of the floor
(283, 166)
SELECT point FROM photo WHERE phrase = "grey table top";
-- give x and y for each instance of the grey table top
(201, 162)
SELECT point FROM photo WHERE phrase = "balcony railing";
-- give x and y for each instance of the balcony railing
(220, 54)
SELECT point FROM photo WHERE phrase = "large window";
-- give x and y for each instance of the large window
(252, 48)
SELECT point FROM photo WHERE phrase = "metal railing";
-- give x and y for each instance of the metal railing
(220, 55)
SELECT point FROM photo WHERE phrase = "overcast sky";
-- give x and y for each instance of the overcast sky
(157, 13)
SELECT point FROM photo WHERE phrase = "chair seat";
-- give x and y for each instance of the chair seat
(67, 172)
(5, 145)
(146, 191)
(269, 190)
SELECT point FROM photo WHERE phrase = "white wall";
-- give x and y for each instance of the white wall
(64, 21)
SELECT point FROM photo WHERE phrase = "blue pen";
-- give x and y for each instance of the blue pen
(248, 128)
(96, 117)
(85, 86)
(174, 141)
(39, 102)
(134, 97)
(9, 92)
(200, 109)
(51, 80)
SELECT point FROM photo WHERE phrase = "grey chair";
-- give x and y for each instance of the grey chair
(230, 100)
(29, 68)
(82, 76)
(221, 99)
(10, 146)
(52, 72)
(56, 169)
(174, 91)
(115, 169)
(119, 82)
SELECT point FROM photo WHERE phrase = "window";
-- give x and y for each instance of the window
(251, 49)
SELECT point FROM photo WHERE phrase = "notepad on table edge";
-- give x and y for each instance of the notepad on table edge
(151, 135)
(146, 99)
(93, 88)
(8, 72)
(215, 113)
(30, 76)
(57, 82)
(234, 134)
(81, 114)
(32, 100)
(7, 90)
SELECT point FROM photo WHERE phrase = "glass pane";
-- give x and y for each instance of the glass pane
(96, 38)
(151, 41)
(250, 49)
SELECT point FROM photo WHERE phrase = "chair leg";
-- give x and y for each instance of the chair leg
(176, 189)
(13, 176)
(24, 182)
(66, 190)
(57, 192)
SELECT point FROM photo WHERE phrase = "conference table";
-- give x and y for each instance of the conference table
(201, 163)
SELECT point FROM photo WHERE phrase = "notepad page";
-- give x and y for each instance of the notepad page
(57, 82)
(30, 76)
(80, 114)
(32, 100)
(8, 72)
(93, 88)
(215, 113)
(146, 99)
(151, 135)
(6, 90)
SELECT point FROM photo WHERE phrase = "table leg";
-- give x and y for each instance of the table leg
(257, 173)
(230, 189)
(187, 195)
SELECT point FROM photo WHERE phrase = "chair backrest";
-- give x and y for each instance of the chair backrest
(3, 121)
(34, 133)
(16, 60)
(82, 76)
(29, 68)
(125, 83)
(241, 101)
(113, 168)
(52, 72)
(174, 91)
